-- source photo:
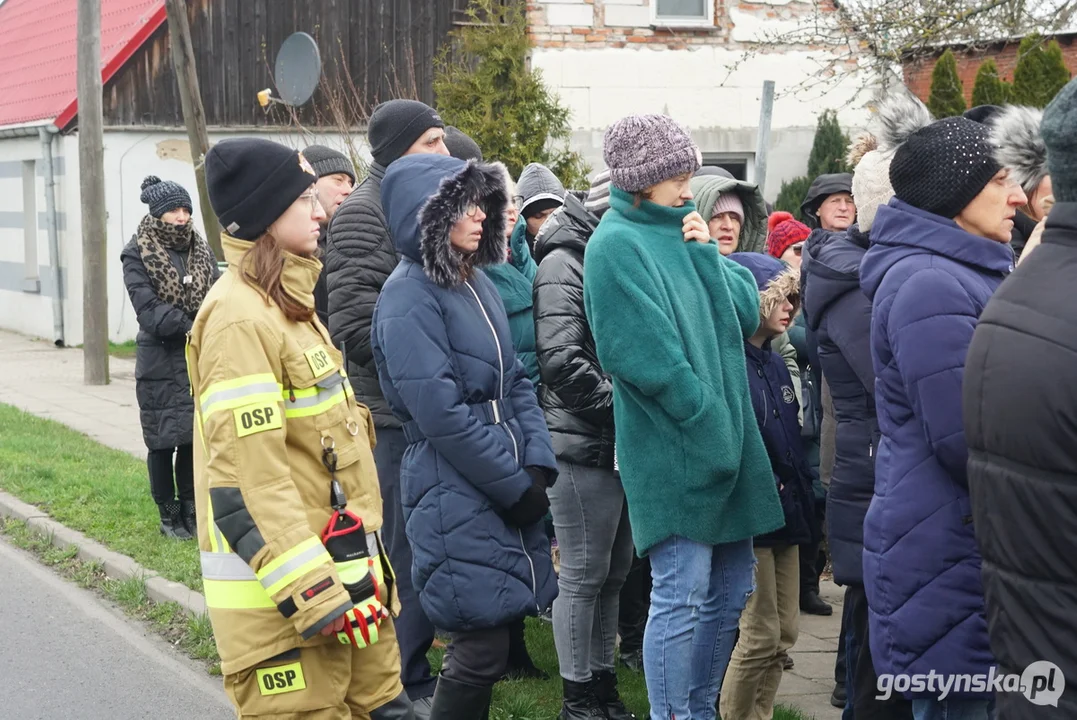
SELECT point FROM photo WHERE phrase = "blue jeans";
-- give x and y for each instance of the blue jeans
(930, 709)
(697, 595)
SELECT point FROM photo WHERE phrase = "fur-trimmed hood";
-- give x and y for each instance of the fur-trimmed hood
(423, 197)
(1019, 146)
(775, 280)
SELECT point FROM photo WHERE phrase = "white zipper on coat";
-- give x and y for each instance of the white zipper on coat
(500, 366)
(515, 447)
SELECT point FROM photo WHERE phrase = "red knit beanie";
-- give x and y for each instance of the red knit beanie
(784, 231)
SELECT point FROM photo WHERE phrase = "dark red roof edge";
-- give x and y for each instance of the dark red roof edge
(141, 36)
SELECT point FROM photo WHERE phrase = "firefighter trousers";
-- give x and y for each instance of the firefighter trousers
(329, 681)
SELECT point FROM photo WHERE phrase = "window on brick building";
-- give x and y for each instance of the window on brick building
(683, 12)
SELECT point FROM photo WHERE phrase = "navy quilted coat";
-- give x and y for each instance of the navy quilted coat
(928, 281)
(839, 315)
(445, 361)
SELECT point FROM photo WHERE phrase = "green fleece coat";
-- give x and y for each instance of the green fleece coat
(514, 281)
(669, 320)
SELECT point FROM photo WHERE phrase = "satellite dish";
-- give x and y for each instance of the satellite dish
(298, 69)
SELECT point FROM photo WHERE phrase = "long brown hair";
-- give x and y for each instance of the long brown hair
(263, 265)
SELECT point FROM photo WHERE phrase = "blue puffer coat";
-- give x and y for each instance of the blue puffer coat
(928, 281)
(839, 315)
(446, 364)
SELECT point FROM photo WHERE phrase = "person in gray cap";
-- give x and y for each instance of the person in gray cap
(336, 179)
(461, 146)
(1018, 398)
(359, 259)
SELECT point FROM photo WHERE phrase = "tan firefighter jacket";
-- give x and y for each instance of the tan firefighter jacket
(269, 394)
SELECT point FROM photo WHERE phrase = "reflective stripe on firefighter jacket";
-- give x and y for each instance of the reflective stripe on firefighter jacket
(270, 394)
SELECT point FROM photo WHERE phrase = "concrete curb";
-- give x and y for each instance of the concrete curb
(116, 566)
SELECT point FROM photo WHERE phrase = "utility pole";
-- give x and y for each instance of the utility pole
(92, 195)
(766, 111)
(194, 115)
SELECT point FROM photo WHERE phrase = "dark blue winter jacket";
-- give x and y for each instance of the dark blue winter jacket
(839, 315)
(928, 281)
(776, 408)
(445, 361)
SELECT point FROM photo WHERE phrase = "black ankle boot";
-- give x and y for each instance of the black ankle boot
(580, 702)
(190, 517)
(171, 523)
(459, 701)
(605, 689)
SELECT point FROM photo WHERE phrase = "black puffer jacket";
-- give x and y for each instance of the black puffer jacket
(162, 387)
(576, 394)
(1020, 391)
(359, 258)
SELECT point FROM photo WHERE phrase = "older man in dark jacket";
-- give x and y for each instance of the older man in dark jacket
(1019, 399)
(359, 259)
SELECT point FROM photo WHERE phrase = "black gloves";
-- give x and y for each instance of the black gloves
(532, 506)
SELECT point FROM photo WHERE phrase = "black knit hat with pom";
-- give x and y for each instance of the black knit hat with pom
(164, 195)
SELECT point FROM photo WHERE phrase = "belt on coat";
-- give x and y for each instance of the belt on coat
(491, 412)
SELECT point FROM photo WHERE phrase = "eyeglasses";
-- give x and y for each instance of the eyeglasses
(315, 201)
(472, 210)
(797, 249)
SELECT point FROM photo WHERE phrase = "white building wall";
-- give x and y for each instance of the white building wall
(129, 157)
(708, 82)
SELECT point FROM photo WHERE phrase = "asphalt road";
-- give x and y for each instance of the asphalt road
(65, 654)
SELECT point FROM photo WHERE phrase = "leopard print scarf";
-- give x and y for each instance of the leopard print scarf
(155, 238)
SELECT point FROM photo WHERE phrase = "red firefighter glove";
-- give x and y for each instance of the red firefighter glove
(346, 540)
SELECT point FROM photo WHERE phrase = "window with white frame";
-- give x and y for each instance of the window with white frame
(683, 12)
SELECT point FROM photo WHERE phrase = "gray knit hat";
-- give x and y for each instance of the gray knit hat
(164, 195)
(644, 150)
(1059, 131)
(327, 161)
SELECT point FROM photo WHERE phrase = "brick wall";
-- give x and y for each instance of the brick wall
(918, 72)
(585, 24)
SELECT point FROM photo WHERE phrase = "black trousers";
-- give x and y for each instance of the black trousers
(635, 605)
(865, 681)
(813, 557)
(164, 483)
(414, 631)
(477, 658)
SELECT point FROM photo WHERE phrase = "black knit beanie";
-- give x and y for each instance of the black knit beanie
(164, 195)
(943, 166)
(461, 146)
(252, 182)
(327, 161)
(396, 125)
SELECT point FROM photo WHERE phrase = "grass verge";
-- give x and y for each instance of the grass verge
(88, 487)
(189, 634)
(104, 493)
(125, 350)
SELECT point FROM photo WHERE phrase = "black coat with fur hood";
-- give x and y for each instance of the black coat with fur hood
(446, 362)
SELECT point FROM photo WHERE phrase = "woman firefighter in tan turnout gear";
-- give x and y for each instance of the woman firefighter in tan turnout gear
(299, 590)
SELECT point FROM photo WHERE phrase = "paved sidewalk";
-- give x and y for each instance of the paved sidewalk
(45, 381)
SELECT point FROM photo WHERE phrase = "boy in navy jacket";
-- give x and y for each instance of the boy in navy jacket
(768, 626)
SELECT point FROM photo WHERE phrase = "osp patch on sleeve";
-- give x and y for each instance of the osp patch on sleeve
(257, 418)
(281, 679)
